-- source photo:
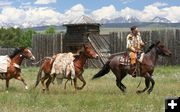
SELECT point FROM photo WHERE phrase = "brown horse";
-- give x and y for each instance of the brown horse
(79, 62)
(146, 67)
(14, 69)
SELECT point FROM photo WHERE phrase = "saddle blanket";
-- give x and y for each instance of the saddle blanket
(63, 65)
(4, 63)
(125, 60)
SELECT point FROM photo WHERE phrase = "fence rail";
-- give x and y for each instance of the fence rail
(47, 45)
(169, 37)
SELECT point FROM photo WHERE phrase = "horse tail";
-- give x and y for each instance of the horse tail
(38, 77)
(103, 71)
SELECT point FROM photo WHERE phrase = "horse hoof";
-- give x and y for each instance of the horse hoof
(149, 92)
(43, 91)
(26, 87)
(7, 91)
(124, 93)
(138, 92)
(79, 88)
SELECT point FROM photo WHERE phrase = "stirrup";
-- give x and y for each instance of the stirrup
(134, 74)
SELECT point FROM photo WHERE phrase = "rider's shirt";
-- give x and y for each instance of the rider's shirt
(134, 42)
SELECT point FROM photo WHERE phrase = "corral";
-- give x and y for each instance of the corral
(99, 95)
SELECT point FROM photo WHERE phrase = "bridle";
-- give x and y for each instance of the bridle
(159, 51)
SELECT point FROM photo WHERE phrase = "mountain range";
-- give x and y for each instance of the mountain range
(119, 22)
(133, 20)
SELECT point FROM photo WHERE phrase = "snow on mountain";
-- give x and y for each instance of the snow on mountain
(121, 20)
(160, 20)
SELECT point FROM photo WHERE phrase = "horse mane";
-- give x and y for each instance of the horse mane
(15, 52)
(149, 49)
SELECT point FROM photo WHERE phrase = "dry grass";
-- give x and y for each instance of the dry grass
(99, 95)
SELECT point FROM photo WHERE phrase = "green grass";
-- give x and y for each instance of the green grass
(99, 95)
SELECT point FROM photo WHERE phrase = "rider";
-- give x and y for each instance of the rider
(134, 46)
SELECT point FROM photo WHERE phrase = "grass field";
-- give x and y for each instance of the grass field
(99, 95)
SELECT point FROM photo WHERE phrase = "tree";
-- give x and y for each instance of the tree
(16, 37)
(50, 30)
(26, 38)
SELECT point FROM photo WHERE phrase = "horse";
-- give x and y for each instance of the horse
(79, 62)
(14, 70)
(146, 67)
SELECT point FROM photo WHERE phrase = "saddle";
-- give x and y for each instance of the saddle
(63, 65)
(4, 63)
(126, 60)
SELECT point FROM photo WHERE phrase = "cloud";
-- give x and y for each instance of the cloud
(126, 1)
(26, 3)
(45, 1)
(159, 4)
(129, 12)
(172, 13)
(43, 16)
(148, 13)
(154, 10)
(31, 17)
(106, 12)
(5, 4)
(76, 11)
(12, 14)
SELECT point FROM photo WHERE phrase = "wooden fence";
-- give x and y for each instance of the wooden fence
(46, 45)
(6, 51)
(170, 38)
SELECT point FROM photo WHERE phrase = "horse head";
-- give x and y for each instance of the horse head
(89, 52)
(162, 50)
(26, 53)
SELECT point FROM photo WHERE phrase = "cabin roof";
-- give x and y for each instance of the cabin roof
(82, 20)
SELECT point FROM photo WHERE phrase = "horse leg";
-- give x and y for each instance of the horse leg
(7, 84)
(22, 80)
(48, 83)
(65, 84)
(120, 85)
(53, 76)
(84, 82)
(75, 83)
(119, 78)
(147, 82)
(42, 81)
(152, 86)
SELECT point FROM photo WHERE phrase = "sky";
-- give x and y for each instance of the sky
(29, 13)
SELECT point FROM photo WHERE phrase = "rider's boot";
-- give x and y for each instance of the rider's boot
(133, 70)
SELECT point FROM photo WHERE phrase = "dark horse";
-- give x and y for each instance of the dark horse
(79, 62)
(146, 67)
(14, 70)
